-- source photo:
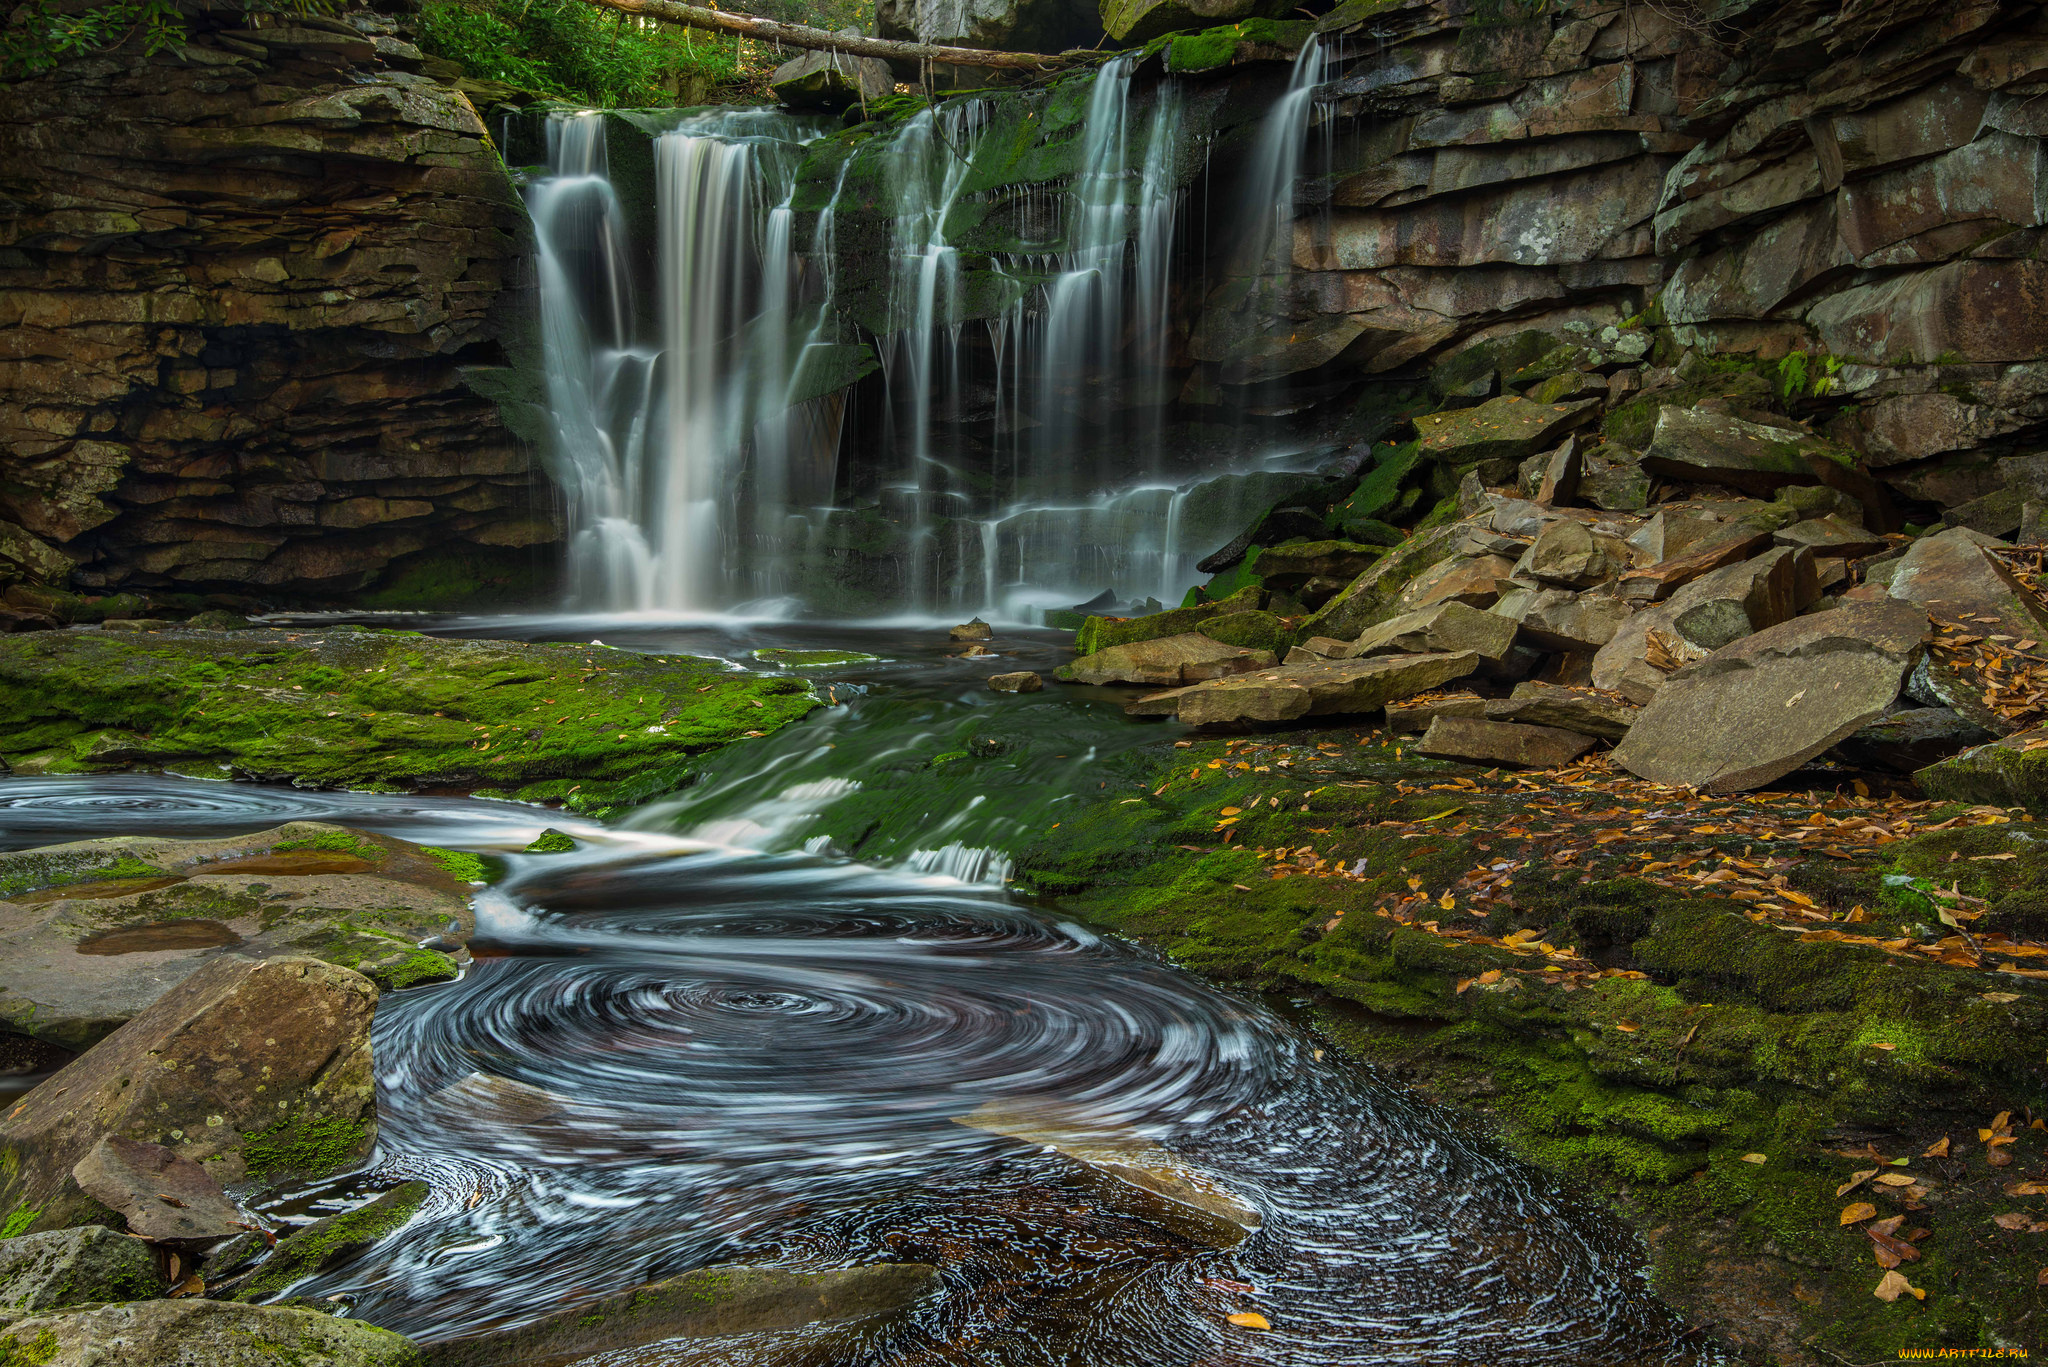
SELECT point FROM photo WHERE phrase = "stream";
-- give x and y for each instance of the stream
(708, 1036)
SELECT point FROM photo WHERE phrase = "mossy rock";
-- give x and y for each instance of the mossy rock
(1100, 633)
(329, 1242)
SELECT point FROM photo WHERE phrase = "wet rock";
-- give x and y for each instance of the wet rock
(976, 630)
(1706, 447)
(97, 930)
(1336, 688)
(1556, 619)
(185, 1333)
(162, 1197)
(1284, 567)
(1913, 739)
(730, 1299)
(354, 708)
(1417, 714)
(1447, 627)
(1567, 709)
(831, 81)
(1493, 742)
(2011, 771)
(1100, 633)
(1022, 681)
(1507, 430)
(1571, 554)
(1951, 577)
(61, 1267)
(1167, 660)
(258, 1070)
(551, 841)
(1755, 710)
(1196, 1203)
(330, 1242)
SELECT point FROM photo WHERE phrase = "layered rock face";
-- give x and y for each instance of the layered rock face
(263, 302)
(1865, 188)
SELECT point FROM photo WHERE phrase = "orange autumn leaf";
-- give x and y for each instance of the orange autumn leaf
(1249, 1320)
(1862, 1210)
(1893, 1285)
(1855, 1181)
(1938, 1149)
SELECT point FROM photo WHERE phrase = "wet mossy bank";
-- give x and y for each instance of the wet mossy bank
(349, 707)
(1713, 1076)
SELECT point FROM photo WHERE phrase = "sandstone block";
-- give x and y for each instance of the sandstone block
(61, 1267)
(1164, 662)
(1509, 743)
(1567, 709)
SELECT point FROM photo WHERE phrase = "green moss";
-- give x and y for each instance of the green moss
(327, 1243)
(458, 864)
(35, 1352)
(1100, 633)
(389, 710)
(552, 841)
(332, 842)
(802, 659)
(18, 1222)
(300, 1147)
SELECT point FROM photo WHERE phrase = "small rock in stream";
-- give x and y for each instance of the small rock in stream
(976, 630)
(1023, 681)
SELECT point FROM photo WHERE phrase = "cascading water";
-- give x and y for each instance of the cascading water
(1019, 463)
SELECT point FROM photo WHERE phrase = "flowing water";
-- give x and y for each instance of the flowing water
(695, 1040)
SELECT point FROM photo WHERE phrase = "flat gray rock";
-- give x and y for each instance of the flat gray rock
(1418, 713)
(1164, 661)
(1445, 627)
(1951, 576)
(1755, 710)
(1495, 742)
(1335, 688)
(163, 1197)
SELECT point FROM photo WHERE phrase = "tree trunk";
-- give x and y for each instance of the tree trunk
(799, 35)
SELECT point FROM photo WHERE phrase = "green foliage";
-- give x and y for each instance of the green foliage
(42, 33)
(459, 865)
(1796, 378)
(575, 51)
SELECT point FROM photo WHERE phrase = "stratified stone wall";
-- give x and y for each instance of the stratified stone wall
(1866, 184)
(262, 302)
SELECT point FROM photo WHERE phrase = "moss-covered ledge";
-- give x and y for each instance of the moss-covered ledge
(1715, 1077)
(348, 707)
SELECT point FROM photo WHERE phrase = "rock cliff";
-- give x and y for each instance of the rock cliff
(266, 301)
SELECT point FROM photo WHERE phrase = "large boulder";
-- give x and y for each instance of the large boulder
(1447, 627)
(257, 1069)
(1100, 633)
(1706, 447)
(1953, 577)
(710, 1301)
(1513, 744)
(94, 931)
(159, 1195)
(1557, 619)
(2011, 771)
(1755, 710)
(1375, 595)
(62, 1267)
(1573, 555)
(194, 1331)
(1166, 661)
(1716, 608)
(831, 81)
(1288, 693)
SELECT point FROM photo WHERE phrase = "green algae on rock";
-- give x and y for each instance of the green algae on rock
(95, 931)
(331, 1241)
(344, 707)
(1691, 1040)
(173, 1333)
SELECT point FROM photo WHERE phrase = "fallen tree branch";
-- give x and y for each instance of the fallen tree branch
(803, 36)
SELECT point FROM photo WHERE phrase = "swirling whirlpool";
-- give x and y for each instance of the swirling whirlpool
(669, 1055)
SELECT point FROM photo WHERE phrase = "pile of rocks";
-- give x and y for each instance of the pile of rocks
(1744, 607)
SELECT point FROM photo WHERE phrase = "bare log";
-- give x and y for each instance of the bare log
(801, 35)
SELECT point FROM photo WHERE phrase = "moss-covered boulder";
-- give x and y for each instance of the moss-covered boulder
(183, 1332)
(344, 707)
(1138, 21)
(61, 1267)
(94, 931)
(330, 1242)
(1101, 633)
(257, 1069)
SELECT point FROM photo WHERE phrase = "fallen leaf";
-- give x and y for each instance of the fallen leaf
(1754, 1158)
(1230, 811)
(1862, 1210)
(2011, 1219)
(1894, 1179)
(194, 1285)
(1855, 1181)
(1249, 1320)
(1892, 1286)
(1629, 1027)
(2026, 1188)
(1938, 1149)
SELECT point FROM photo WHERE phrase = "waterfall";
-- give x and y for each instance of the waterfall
(1276, 167)
(698, 365)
